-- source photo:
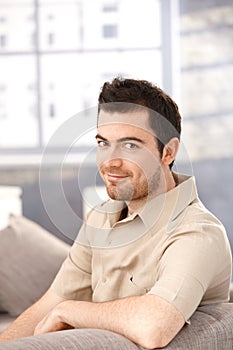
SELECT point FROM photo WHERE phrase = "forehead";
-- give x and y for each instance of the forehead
(135, 121)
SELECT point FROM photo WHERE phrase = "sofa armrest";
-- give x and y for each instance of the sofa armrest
(210, 329)
(77, 339)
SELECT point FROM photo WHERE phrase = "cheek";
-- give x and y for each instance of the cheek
(145, 164)
(101, 157)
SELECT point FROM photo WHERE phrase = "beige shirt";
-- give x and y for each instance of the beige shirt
(174, 248)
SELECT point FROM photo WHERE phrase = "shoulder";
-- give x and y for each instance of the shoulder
(197, 227)
(197, 217)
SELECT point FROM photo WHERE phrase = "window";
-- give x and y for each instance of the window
(51, 110)
(51, 39)
(110, 7)
(3, 41)
(2, 19)
(55, 56)
(110, 31)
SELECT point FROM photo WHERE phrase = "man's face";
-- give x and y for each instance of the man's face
(127, 155)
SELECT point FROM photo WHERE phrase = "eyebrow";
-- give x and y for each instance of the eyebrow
(122, 139)
(98, 136)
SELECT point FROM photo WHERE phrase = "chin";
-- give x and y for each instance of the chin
(120, 192)
(113, 195)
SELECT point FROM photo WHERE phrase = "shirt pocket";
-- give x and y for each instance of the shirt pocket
(140, 284)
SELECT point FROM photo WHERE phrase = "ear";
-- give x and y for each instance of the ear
(170, 151)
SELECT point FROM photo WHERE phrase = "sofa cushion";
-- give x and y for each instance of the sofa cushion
(5, 320)
(30, 258)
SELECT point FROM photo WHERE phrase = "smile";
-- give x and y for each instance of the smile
(115, 177)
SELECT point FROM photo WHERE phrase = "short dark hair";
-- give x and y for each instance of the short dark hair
(164, 116)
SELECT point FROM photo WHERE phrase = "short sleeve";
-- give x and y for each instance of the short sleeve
(189, 266)
(73, 280)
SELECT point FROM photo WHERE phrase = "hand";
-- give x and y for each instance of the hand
(52, 322)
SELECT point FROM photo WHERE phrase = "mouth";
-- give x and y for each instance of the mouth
(111, 177)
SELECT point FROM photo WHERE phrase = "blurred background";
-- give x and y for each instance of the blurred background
(55, 56)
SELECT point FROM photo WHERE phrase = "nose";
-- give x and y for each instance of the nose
(110, 157)
(114, 162)
(114, 158)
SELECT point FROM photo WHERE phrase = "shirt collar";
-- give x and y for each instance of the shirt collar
(167, 206)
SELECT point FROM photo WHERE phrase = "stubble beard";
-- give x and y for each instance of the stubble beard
(125, 190)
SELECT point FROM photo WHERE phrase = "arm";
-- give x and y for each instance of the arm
(147, 320)
(25, 324)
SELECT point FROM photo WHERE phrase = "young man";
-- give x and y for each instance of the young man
(148, 257)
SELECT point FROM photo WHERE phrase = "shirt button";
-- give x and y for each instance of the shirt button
(104, 279)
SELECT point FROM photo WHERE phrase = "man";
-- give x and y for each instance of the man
(145, 259)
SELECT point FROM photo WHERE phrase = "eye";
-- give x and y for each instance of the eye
(102, 144)
(130, 145)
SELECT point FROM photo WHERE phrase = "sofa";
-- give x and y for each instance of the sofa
(26, 252)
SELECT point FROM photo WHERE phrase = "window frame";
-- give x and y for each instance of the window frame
(169, 65)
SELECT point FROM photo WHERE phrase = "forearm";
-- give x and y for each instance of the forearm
(23, 326)
(116, 316)
(142, 319)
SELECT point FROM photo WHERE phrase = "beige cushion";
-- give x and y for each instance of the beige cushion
(29, 260)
